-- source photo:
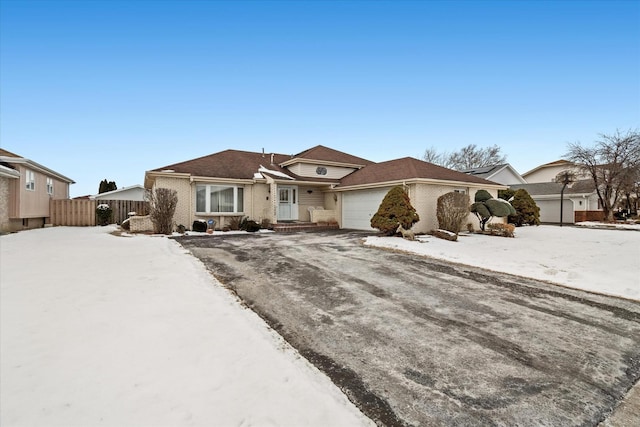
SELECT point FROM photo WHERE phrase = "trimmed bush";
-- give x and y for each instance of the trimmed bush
(125, 225)
(482, 196)
(103, 214)
(500, 208)
(486, 207)
(250, 226)
(452, 211)
(162, 206)
(394, 210)
(199, 225)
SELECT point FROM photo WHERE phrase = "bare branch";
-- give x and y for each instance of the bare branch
(611, 163)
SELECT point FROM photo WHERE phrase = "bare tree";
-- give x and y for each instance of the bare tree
(609, 164)
(431, 155)
(469, 157)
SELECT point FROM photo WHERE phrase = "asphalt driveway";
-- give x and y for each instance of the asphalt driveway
(415, 341)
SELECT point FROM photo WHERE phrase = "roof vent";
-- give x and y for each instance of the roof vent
(167, 170)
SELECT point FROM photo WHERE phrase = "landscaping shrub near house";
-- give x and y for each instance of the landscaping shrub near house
(199, 226)
(486, 207)
(103, 214)
(505, 230)
(452, 211)
(527, 211)
(250, 226)
(234, 223)
(126, 225)
(162, 206)
(394, 210)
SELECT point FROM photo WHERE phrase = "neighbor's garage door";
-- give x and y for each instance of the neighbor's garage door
(359, 206)
(550, 211)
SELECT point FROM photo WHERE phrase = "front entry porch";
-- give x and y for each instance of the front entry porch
(291, 227)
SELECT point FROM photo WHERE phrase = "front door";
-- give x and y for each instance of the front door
(287, 203)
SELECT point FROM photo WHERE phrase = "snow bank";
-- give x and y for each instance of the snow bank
(603, 261)
(129, 331)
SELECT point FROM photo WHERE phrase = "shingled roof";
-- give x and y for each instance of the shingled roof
(322, 153)
(407, 168)
(583, 186)
(237, 164)
(231, 164)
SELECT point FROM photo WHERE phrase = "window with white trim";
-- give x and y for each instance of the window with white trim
(50, 186)
(219, 199)
(30, 180)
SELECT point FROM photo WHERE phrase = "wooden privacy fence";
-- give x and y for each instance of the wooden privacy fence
(581, 216)
(82, 212)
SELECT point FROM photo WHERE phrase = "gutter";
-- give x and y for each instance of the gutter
(36, 166)
(421, 181)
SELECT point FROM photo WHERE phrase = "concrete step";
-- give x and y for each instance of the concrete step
(291, 227)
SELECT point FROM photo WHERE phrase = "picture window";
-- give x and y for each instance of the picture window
(219, 199)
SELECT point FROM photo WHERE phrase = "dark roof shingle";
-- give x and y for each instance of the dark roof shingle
(404, 169)
(231, 164)
(583, 186)
(322, 153)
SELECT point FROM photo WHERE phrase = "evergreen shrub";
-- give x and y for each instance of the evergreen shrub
(527, 211)
(250, 226)
(486, 207)
(395, 209)
(103, 214)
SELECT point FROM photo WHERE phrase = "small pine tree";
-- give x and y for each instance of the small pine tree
(394, 210)
(527, 212)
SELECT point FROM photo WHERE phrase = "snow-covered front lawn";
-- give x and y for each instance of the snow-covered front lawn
(132, 331)
(596, 260)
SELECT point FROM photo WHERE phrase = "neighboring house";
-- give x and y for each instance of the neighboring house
(580, 198)
(580, 201)
(26, 188)
(549, 171)
(319, 184)
(134, 192)
(502, 174)
(7, 176)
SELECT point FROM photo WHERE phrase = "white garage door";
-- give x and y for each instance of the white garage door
(550, 211)
(359, 206)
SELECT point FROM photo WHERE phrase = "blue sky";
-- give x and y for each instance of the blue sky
(110, 89)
